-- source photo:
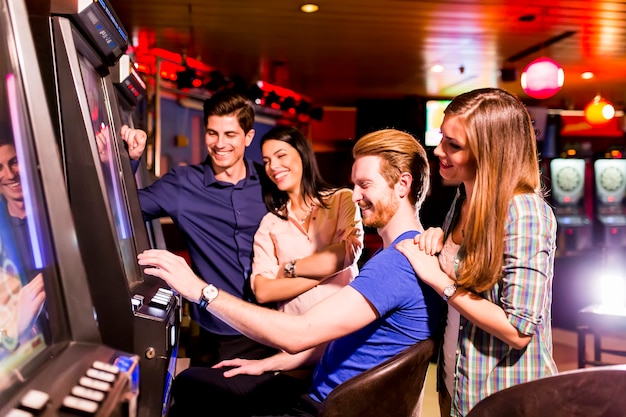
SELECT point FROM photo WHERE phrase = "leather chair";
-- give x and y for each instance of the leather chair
(591, 392)
(390, 389)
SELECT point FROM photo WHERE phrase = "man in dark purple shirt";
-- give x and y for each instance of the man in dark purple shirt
(217, 206)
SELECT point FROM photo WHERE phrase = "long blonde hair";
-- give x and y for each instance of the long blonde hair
(502, 139)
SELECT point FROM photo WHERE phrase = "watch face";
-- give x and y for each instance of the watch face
(568, 178)
(210, 292)
(449, 291)
(611, 178)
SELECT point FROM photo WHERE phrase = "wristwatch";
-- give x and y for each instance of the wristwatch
(290, 269)
(449, 292)
(209, 293)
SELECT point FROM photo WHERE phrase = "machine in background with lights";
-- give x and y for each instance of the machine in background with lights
(575, 229)
(610, 181)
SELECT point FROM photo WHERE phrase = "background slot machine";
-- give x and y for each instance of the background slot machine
(575, 229)
(130, 90)
(52, 361)
(610, 179)
(78, 43)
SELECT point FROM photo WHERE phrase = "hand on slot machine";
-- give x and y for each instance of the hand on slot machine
(135, 139)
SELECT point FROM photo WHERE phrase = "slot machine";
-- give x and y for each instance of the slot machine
(130, 89)
(78, 43)
(52, 360)
(610, 180)
(575, 229)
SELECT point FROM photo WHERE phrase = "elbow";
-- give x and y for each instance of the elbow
(262, 297)
(520, 342)
(295, 346)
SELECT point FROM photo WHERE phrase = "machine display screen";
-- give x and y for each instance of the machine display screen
(25, 255)
(111, 171)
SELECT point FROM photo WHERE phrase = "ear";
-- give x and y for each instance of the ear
(249, 137)
(404, 184)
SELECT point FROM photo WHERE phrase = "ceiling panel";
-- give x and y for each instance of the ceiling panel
(355, 49)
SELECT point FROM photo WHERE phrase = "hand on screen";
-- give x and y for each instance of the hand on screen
(136, 141)
(103, 143)
(32, 297)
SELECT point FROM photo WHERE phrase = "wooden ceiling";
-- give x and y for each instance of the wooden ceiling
(352, 49)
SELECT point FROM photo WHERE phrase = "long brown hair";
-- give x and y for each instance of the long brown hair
(502, 139)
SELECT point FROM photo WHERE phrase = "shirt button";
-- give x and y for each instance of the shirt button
(458, 352)
(238, 211)
(460, 327)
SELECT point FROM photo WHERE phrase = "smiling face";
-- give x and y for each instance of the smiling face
(456, 162)
(283, 165)
(10, 184)
(376, 199)
(226, 144)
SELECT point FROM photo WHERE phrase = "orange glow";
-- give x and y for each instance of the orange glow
(599, 111)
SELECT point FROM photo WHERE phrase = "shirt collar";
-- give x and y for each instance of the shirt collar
(209, 174)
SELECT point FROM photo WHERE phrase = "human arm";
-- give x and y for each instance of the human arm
(282, 361)
(335, 316)
(518, 304)
(135, 139)
(339, 225)
(478, 310)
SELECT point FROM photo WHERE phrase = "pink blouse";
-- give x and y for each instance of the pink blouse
(279, 241)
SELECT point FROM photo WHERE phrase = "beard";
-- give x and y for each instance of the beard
(382, 212)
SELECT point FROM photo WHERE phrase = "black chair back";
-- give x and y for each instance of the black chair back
(390, 389)
(590, 392)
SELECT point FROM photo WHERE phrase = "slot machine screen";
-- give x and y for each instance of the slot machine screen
(104, 137)
(26, 259)
(434, 118)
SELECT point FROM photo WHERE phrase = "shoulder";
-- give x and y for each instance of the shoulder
(532, 210)
(337, 195)
(529, 204)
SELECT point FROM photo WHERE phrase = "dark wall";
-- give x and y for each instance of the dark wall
(407, 114)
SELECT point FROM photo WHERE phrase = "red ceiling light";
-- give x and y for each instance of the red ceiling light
(599, 111)
(542, 78)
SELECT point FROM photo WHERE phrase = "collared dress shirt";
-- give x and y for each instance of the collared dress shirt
(217, 221)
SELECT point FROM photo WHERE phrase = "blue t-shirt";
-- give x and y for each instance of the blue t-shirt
(217, 221)
(408, 312)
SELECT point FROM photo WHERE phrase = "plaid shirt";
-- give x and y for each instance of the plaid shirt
(485, 364)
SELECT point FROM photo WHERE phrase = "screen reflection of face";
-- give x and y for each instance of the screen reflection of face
(10, 184)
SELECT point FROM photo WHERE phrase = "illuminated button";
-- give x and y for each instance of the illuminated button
(19, 413)
(165, 291)
(95, 384)
(87, 393)
(80, 404)
(35, 400)
(100, 375)
(162, 297)
(103, 366)
(158, 302)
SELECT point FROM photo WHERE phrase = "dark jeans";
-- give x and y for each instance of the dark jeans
(206, 392)
(213, 348)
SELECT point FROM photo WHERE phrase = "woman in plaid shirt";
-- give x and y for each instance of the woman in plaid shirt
(495, 252)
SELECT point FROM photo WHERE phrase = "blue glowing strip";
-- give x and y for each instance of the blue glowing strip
(114, 21)
(24, 173)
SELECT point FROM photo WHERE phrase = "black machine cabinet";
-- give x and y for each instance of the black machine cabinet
(52, 360)
(79, 45)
